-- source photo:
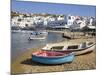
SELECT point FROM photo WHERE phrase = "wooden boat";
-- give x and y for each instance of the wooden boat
(38, 35)
(77, 49)
(50, 57)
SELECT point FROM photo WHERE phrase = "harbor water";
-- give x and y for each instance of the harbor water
(20, 42)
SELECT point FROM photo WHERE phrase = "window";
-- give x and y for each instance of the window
(69, 17)
(57, 48)
(73, 47)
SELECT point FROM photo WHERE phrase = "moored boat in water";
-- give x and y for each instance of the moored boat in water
(50, 57)
(38, 35)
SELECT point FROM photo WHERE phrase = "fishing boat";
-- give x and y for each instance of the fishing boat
(38, 35)
(77, 49)
(52, 57)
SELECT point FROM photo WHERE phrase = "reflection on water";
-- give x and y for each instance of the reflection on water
(20, 42)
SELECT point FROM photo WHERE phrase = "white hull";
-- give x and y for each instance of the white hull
(84, 51)
(79, 51)
(37, 38)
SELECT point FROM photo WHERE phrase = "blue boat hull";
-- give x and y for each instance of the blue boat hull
(53, 60)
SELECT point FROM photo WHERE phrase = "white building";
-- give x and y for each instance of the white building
(70, 20)
(60, 18)
(91, 21)
(50, 21)
(22, 22)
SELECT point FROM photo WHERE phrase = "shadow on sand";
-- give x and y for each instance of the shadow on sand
(32, 63)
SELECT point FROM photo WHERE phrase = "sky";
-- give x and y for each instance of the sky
(53, 8)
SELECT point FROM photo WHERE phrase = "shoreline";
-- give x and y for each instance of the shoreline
(13, 59)
(24, 64)
(31, 47)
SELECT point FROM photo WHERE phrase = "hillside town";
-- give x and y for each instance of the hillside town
(32, 21)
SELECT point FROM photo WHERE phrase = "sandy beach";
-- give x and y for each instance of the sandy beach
(24, 64)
